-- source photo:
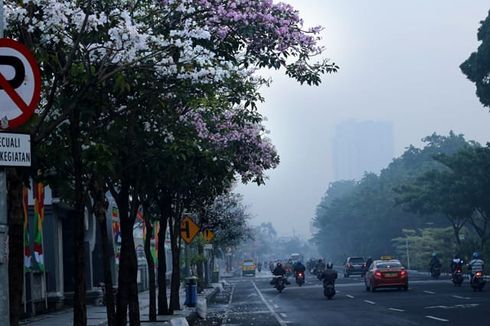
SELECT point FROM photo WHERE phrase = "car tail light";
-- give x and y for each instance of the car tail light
(403, 273)
(378, 274)
(458, 270)
(479, 274)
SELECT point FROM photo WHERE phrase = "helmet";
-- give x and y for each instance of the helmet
(434, 254)
(320, 260)
(329, 265)
(476, 255)
(279, 264)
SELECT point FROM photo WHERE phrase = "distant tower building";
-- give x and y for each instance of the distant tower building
(361, 146)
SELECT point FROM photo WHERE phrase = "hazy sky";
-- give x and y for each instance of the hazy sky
(399, 61)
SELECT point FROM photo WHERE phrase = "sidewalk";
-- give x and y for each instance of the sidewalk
(97, 316)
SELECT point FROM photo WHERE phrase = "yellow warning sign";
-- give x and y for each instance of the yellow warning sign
(208, 234)
(188, 229)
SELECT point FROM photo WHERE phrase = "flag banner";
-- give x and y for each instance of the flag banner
(39, 218)
(115, 212)
(154, 247)
(27, 244)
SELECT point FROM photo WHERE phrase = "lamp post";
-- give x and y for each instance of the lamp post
(408, 253)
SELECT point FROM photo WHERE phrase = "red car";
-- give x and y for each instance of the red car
(386, 273)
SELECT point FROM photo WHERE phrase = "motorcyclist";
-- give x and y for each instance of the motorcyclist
(456, 263)
(320, 266)
(476, 264)
(329, 274)
(299, 268)
(279, 271)
(434, 262)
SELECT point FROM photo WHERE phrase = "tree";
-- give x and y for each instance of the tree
(477, 66)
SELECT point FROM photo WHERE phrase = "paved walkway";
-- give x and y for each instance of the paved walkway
(97, 316)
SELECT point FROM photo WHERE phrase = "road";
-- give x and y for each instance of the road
(253, 301)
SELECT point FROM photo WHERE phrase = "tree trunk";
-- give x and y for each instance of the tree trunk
(174, 224)
(151, 267)
(162, 267)
(16, 244)
(108, 284)
(127, 293)
(98, 195)
(80, 308)
(200, 269)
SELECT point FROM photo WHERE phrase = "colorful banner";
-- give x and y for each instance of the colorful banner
(27, 245)
(39, 218)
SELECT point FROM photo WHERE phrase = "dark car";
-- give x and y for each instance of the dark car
(386, 273)
(354, 266)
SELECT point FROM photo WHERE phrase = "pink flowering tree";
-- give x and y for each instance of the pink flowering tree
(200, 60)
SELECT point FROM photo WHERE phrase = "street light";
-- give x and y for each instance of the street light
(408, 253)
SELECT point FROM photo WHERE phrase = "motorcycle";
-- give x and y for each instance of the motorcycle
(477, 281)
(328, 289)
(435, 272)
(279, 283)
(458, 277)
(300, 278)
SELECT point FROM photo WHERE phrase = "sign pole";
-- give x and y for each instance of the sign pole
(4, 271)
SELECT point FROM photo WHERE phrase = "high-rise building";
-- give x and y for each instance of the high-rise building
(361, 146)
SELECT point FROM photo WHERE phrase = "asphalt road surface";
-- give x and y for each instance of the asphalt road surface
(253, 301)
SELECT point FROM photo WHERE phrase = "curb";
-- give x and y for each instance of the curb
(193, 316)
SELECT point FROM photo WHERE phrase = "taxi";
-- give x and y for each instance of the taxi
(248, 267)
(386, 273)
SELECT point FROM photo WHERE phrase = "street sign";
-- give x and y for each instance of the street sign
(15, 149)
(188, 229)
(20, 84)
(208, 234)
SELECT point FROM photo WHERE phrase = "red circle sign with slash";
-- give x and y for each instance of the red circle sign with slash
(20, 83)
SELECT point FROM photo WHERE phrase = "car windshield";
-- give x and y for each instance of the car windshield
(388, 264)
(357, 260)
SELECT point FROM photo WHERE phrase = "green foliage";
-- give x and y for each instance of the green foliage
(361, 218)
(422, 243)
(477, 66)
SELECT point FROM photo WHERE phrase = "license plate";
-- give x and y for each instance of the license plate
(391, 274)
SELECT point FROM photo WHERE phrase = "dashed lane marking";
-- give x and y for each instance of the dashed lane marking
(429, 292)
(395, 309)
(276, 316)
(241, 313)
(276, 306)
(437, 318)
(459, 297)
(370, 302)
(349, 296)
(283, 315)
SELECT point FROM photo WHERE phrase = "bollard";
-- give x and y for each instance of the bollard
(191, 291)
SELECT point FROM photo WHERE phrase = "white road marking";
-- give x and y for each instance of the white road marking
(463, 306)
(458, 297)
(429, 292)
(279, 320)
(276, 306)
(349, 296)
(436, 318)
(395, 309)
(283, 315)
(370, 302)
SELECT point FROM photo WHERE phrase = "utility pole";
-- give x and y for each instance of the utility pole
(4, 271)
(408, 253)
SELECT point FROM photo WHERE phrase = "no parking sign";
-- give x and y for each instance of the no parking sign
(20, 84)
